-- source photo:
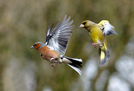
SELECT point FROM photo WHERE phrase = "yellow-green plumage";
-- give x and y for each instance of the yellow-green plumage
(97, 36)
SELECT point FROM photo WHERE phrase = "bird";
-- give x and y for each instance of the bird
(98, 38)
(106, 27)
(57, 38)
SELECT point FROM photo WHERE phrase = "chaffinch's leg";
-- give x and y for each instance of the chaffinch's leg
(56, 60)
(52, 59)
(53, 64)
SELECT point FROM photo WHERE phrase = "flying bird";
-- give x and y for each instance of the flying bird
(56, 44)
(98, 38)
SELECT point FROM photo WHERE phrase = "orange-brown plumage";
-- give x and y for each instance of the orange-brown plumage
(45, 52)
(37, 46)
(48, 54)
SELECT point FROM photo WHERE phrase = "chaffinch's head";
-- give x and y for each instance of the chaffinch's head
(38, 45)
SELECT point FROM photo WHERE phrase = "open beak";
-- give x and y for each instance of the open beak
(81, 25)
(32, 47)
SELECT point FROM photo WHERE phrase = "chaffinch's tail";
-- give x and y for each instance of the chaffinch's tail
(74, 63)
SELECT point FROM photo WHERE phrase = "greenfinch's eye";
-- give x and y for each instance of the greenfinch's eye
(84, 23)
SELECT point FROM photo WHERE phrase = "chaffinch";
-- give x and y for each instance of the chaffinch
(56, 44)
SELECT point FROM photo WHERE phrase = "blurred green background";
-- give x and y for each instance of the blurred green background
(24, 22)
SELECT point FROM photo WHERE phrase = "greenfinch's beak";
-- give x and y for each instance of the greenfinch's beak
(81, 25)
(32, 47)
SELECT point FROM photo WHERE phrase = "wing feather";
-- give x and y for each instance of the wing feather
(108, 29)
(59, 36)
(48, 33)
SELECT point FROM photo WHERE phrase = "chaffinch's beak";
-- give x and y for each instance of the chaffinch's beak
(81, 25)
(32, 47)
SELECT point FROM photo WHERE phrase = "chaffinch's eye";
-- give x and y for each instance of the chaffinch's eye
(35, 45)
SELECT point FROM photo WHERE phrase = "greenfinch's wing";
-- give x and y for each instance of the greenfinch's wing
(108, 29)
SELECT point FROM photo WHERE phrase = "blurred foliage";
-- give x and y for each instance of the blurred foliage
(24, 22)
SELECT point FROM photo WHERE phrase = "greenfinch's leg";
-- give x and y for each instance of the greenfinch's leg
(95, 44)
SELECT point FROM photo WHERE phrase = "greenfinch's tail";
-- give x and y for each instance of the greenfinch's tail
(104, 54)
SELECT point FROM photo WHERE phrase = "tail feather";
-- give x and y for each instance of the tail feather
(104, 54)
(75, 68)
(74, 63)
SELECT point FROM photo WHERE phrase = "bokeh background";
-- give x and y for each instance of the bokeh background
(24, 22)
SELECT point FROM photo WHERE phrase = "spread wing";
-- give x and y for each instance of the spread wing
(59, 36)
(108, 29)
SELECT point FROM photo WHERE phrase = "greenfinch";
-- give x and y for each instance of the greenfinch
(106, 27)
(98, 38)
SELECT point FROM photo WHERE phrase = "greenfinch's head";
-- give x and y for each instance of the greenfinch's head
(37, 45)
(87, 24)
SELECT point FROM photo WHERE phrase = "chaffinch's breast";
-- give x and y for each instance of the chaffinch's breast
(48, 54)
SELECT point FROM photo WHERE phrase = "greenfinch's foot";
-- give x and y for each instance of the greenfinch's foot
(95, 44)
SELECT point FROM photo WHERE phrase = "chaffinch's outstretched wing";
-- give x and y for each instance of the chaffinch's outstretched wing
(59, 36)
